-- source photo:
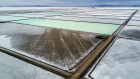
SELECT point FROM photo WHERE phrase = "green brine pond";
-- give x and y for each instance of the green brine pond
(73, 25)
(10, 18)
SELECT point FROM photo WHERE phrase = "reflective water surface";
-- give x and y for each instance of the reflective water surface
(131, 32)
(57, 47)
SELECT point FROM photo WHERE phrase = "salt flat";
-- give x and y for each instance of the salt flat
(60, 40)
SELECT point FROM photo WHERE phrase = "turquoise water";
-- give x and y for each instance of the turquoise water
(72, 25)
(10, 18)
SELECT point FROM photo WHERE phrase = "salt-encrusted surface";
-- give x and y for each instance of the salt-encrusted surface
(13, 68)
(57, 47)
(122, 61)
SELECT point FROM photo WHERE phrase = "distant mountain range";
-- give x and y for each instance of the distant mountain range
(27, 6)
(74, 6)
(116, 6)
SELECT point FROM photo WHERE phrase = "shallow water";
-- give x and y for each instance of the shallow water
(72, 25)
(132, 32)
(10, 18)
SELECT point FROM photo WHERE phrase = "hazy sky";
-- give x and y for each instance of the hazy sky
(118, 2)
(68, 2)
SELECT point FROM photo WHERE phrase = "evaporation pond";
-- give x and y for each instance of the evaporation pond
(13, 68)
(73, 25)
(131, 32)
(122, 61)
(63, 49)
(10, 18)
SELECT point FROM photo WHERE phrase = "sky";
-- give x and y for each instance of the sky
(68, 2)
(117, 2)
